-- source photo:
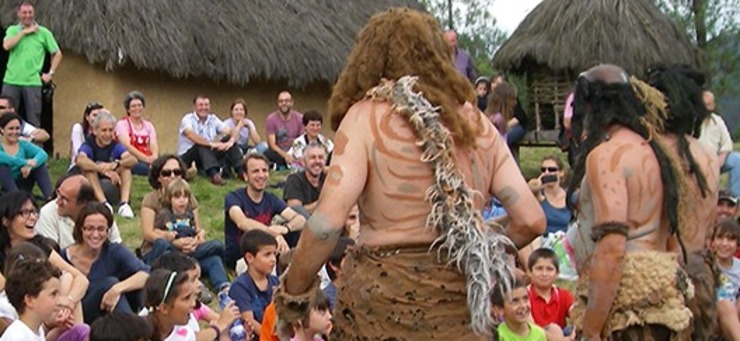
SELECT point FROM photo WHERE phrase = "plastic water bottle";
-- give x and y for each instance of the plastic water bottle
(236, 330)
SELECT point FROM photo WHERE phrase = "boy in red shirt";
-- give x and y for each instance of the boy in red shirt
(550, 304)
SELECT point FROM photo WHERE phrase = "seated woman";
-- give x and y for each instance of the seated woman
(137, 134)
(116, 275)
(82, 130)
(22, 163)
(482, 90)
(159, 239)
(312, 121)
(551, 195)
(18, 215)
(247, 137)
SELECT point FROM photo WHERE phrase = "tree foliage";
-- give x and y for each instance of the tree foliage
(713, 26)
(475, 26)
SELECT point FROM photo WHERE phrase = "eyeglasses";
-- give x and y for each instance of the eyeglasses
(549, 169)
(99, 229)
(165, 173)
(27, 212)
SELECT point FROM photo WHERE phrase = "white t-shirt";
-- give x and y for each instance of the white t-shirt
(19, 331)
(6, 309)
(180, 333)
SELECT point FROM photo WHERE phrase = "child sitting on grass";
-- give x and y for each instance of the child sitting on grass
(550, 304)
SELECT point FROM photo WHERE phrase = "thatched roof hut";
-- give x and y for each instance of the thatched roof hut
(172, 50)
(561, 38)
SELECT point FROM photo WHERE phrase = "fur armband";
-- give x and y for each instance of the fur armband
(612, 227)
(293, 308)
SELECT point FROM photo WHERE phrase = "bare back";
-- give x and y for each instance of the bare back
(623, 184)
(392, 203)
(701, 211)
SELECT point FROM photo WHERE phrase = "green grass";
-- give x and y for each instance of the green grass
(210, 199)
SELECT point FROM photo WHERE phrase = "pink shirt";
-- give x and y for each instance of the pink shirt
(146, 133)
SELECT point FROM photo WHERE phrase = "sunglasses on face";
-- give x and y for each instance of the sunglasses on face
(165, 173)
(549, 169)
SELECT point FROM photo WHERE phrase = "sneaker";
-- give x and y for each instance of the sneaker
(217, 180)
(125, 211)
(205, 295)
(110, 208)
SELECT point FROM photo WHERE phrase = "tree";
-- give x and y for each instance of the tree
(713, 26)
(475, 26)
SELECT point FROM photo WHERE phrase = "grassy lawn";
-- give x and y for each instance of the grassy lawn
(211, 198)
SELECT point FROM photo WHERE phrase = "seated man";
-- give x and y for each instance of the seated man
(204, 139)
(302, 189)
(312, 121)
(716, 136)
(726, 206)
(102, 157)
(57, 218)
(28, 131)
(283, 126)
(252, 208)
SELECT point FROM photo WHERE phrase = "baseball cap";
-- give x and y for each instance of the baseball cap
(727, 196)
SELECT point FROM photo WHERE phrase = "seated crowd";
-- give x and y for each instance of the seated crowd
(103, 283)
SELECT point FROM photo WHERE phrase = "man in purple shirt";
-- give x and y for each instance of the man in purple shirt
(463, 62)
(283, 126)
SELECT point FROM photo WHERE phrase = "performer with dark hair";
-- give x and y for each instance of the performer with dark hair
(420, 160)
(685, 111)
(631, 211)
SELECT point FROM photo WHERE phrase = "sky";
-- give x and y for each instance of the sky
(509, 13)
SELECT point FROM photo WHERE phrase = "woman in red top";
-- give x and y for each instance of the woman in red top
(137, 134)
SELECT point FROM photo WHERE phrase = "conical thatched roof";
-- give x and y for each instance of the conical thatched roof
(571, 35)
(236, 41)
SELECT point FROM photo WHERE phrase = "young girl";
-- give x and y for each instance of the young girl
(177, 217)
(317, 325)
(169, 298)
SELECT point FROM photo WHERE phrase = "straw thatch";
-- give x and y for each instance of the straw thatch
(571, 35)
(235, 41)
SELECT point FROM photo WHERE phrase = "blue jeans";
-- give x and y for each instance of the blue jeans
(515, 134)
(209, 255)
(129, 303)
(732, 165)
(140, 168)
(39, 175)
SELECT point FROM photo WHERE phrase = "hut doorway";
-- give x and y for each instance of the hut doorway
(47, 103)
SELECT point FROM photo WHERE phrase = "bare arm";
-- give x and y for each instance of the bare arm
(147, 226)
(309, 208)
(245, 224)
(273, 145)
(607, 262)
(526, 218)
(79, 282)
(133, 282)
(86, 164)
(344, 183)
(10, 43)
(254, 136)
(197, 139)
(294, 220)
(55, 61)
(125, 140)
(40, 136)
(128, 160)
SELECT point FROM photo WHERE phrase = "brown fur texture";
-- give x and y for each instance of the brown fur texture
(703, 272)
(653, 290)
(401, 42)
(604, 229)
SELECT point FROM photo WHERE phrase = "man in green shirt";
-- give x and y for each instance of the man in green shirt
(28, 43)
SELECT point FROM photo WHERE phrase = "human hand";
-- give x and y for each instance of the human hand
(289, 159)
(30, 29)
(66, 302)
(113, 176)
(228, 315)
(171, 235)
(25, 171)
(110, 299)
(31, 163)
(279, 229)
(46, 78)
(149, 159)
(282, 244)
